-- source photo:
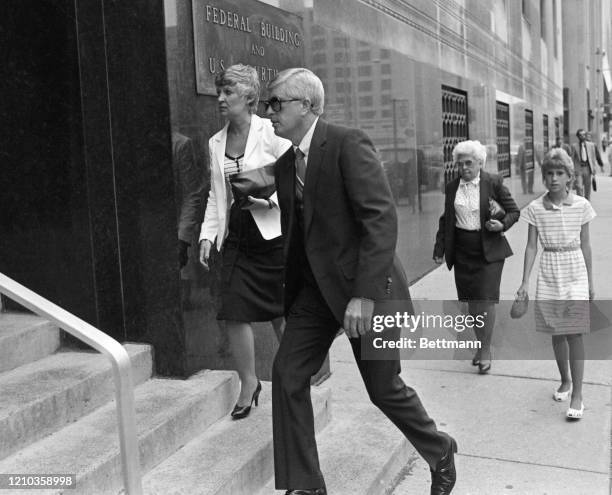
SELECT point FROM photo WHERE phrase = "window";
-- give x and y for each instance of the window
(318, 43)
(365, 86)
(367, 114)
(319, 59)
(342, 87)
(386, 114)
(543, 19)
(364, 56)
(364, 70)
(384, 53)
(385, 100)
(454, 127)
(366, 101)
(503, 139)
(385, 69)
(339, 57)
(340, 42)
(385, 84)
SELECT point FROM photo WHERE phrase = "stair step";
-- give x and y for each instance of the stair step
(169, 413)
(41, 397)
(231, 457)
(25, 338)
(360, 451)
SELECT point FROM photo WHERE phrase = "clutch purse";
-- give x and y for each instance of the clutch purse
(257, 182)
(594, 183)
(519, 307)
(496, 211)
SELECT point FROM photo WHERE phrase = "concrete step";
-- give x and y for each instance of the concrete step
(360, 451)
(169, 413)
(231, 457)
(41, 397)
(25, 338)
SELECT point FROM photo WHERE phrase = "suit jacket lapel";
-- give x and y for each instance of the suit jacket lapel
(485, 194)
(253, 138)
(313, 167)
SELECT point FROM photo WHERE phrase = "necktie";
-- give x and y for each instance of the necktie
(300, 173)
(583, 153)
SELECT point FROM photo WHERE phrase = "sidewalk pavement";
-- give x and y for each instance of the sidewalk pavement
(513, 438)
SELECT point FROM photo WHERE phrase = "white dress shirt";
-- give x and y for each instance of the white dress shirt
(467, 204)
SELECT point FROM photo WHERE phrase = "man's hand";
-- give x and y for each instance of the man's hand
(257, 204)
(183, 255)
(358, 317)
(205, 246)
(494, 226)
(438, 259)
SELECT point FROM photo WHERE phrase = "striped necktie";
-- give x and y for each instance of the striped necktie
(300, 173)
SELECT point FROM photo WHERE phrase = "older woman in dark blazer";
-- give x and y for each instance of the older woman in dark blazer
(472, 242)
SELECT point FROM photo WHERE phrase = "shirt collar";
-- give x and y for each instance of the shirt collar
(549, 205)
(304, 145)
(475, 181)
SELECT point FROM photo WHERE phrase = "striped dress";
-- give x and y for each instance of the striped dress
(562, 290)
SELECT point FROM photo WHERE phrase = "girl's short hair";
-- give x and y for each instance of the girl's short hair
(558, 158)
(244, 79)
(474, 148)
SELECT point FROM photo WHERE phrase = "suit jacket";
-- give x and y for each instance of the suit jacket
(494, 244)
(350, 223)
(592, 155)
(263, 147)
(189, 181)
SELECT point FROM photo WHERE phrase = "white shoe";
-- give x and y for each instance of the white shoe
(575, 413)
(562, 396)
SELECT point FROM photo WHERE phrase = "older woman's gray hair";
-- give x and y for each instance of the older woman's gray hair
(558, 158)
(474, 148)
(244, 79)
(301, 83)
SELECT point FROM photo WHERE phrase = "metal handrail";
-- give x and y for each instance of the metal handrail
(122, 371)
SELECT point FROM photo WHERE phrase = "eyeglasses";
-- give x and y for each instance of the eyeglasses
(465, 163)
(277, 104)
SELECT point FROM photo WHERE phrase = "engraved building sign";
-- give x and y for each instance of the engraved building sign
(228, 32)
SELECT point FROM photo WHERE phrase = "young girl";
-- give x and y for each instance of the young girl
(560, 220)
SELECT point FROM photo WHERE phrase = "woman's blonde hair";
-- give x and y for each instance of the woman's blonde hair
(246, 81)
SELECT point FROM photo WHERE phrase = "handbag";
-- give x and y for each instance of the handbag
(519, 307)
(594, 183)
(257, 182)
(496, 211)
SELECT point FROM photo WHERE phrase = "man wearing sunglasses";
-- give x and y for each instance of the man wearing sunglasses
(340, 228)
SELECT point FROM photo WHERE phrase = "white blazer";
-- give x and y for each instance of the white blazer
(263, 147)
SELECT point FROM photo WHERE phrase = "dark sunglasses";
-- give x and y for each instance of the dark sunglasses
(277, 104)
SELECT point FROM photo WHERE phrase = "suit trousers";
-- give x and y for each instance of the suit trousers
(309, 333)
(583, 181)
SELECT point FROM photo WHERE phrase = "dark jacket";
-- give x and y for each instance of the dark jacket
(494, 244)
(350, 223)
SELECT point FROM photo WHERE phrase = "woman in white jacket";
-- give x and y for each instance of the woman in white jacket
(249, 238)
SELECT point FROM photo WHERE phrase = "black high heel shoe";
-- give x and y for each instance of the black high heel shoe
(240, 412)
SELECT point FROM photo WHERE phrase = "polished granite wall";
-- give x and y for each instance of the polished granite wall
(89, 217)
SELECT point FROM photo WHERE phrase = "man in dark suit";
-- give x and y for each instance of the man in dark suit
(340, 227)
(586, 156)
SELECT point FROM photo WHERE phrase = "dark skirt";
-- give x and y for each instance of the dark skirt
(475, 278)
(252, 272)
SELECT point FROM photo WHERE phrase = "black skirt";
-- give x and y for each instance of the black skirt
(252, 272)
(475, 278)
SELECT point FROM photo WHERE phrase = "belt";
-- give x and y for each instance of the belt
(561, 249)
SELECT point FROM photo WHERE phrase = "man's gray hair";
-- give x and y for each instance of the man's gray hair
(302, 84)
(246, 81)
(474, 148)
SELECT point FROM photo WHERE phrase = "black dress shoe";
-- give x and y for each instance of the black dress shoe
(312, 491)
(444, 477)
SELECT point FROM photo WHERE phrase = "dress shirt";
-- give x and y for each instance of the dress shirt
(304, 145)
(467, 204)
